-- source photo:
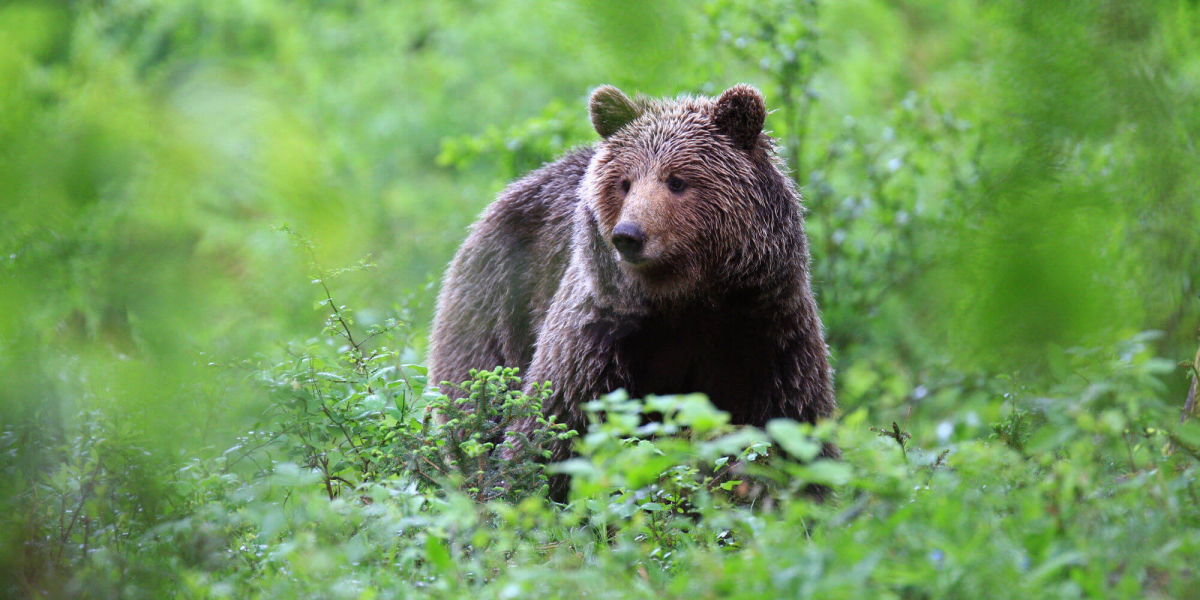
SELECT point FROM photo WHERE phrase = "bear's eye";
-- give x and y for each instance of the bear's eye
(676, 184)
(625, 186)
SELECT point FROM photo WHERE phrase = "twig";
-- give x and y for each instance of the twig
(84, 493)
(898, 433)
(329, 297)
(1189, 406)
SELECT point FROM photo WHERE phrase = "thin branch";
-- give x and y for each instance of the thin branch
(1189, 406)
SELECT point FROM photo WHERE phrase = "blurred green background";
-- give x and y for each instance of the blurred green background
(991, 186)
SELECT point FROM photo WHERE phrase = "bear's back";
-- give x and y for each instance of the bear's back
(500, 284)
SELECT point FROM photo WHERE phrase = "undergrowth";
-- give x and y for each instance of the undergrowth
(347, 487)
(973, 209)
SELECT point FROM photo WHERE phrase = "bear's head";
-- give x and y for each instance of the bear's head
(687, 192)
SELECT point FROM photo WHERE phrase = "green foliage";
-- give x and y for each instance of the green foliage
(656, 511)
(464, 447)
(362, 415)
(1002, 211)
(522, 147)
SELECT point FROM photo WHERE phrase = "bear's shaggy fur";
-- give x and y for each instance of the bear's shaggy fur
(668, 258)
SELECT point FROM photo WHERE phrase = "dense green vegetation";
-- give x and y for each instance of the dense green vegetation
(222, 224)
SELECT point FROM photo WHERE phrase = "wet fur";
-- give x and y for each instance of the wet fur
(724, 308)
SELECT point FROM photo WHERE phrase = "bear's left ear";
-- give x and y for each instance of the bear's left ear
(611, 110)
(740, 113)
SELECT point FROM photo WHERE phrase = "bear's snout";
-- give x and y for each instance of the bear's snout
(629, 239)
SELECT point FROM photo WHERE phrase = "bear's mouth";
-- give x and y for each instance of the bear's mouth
(650, 269)
(636, 262)
(640, 262)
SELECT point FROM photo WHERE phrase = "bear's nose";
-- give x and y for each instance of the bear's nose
(628, 239)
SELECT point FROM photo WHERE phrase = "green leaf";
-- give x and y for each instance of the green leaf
(1189, 433)
(795, 438)
(438, 555)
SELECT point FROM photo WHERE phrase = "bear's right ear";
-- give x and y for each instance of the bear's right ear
(611, 110)
(740, 113)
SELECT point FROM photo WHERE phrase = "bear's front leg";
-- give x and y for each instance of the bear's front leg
(576, 353)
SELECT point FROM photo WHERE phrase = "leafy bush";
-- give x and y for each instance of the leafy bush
(362, 415)
(472, 444)
(337, 493)
(1002, 218)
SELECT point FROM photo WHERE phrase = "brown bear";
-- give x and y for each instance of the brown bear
(670, 257)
